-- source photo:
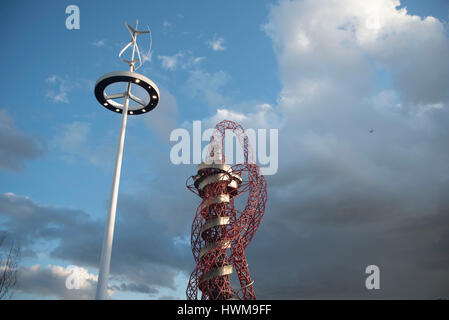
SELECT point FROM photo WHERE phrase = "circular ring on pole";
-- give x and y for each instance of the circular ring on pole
(129, 77)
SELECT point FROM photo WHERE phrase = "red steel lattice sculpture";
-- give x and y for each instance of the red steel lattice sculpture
(221, 232)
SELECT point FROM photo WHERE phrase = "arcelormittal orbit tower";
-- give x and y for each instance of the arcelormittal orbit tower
(221, 232)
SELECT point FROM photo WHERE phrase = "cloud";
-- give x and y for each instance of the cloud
(191, 61)
(16, 148)
(58, 88)
(99, 43)
(170, 62)
(411, 49)
(256, 116)
(28, 221)
(147, 56)
(217, 43)
(51, 79)
(73, 236)
(186, 60)
(68, 283)
(57, 96)
(344, 198)
(206, 86)
(166, 25)
(141, 288)
(50, 281)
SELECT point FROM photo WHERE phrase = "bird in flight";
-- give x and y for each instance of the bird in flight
(371, 130)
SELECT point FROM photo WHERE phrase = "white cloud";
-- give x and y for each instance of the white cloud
(58, 88)
(192, 61)
(225, 114)
(50, 281)
(217, 43)
(71, 282)
(356, 38)
(259, 116)
(51, 79)
(99, 43)
(166, 25)
(170, 62)
(57, 96)
(147, 56)
(186, 60)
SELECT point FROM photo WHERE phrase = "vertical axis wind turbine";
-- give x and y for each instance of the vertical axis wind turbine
(111, 101)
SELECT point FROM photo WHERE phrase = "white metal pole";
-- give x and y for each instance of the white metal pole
(105, 260)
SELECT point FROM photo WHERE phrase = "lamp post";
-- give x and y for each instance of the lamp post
(130, 78)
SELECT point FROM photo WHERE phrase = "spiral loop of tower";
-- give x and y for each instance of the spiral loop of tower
(221, 232)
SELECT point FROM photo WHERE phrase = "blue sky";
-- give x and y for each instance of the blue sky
(207, 56)
(72, 57)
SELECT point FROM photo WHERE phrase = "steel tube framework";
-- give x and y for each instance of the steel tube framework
(221, 232)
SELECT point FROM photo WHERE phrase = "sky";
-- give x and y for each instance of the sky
(358, 91)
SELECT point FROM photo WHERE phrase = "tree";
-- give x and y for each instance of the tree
(9, 257)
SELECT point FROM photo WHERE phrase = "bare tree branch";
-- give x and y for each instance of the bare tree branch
(8, 267)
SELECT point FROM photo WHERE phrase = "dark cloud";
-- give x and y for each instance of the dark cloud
(145, 253)
(59, 282)
(343, 198)
(144, 249)
(142, 288)
(15, 147)
(293, 257)
(50, 282)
